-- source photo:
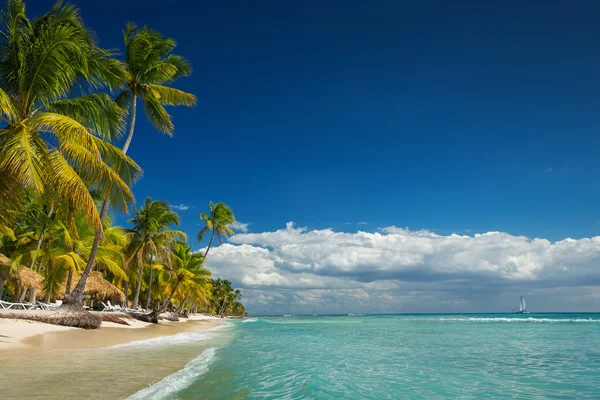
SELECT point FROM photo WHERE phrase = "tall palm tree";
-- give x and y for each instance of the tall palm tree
(217, 220)
(150, 68)
(52, 143)
(152, 239)
(184, 269)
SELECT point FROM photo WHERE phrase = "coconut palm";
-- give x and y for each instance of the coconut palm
(217, 220)
(152, 239)
(183, 270)
(52, 143)
(150, 68)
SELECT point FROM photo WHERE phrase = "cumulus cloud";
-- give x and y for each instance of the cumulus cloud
(181, 207)
(399, 270)
(239, 227)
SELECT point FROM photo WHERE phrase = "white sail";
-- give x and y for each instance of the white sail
(522, 306)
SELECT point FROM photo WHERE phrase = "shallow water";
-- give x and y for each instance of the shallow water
(390, 357)
(333, 357)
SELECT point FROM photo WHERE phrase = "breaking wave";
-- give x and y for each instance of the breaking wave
(179, 380)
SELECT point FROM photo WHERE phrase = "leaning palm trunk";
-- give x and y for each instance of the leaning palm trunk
(138, 288)
(153, 316)
(222, 309)
(149, 294)
(181, 305)
(212, 237)
(76, 297)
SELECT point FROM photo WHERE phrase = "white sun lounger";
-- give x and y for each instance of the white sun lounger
(13, 306)
(49, 306)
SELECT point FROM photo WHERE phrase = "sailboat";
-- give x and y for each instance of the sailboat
(314, 312)
(522, 307)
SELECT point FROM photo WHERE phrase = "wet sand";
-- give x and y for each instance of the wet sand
(112, 362)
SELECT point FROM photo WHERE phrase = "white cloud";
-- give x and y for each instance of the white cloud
(402, 270)
(239, 227)
(181, 207)
(362, 223)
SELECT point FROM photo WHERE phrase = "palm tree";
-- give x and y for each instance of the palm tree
(152, 239)
(150, 67)
(217, 220)
(184, 269)
(52, 143)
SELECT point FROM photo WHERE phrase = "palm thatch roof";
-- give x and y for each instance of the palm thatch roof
(98, 287)
(4, 266)
(29, 279)
(4, 260)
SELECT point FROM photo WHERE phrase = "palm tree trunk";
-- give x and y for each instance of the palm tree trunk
(131, 122)
(22, 296)
(153, 316)
(69, 282)
(126, 305)
(180, 307)
(76, 298)
(221, 310)
(40, 240)
(210, 243)
(149, 295)
(136, 298)
(1, 287)
(32, 295)
(48, 292)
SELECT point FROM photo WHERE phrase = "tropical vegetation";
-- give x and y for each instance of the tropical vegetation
(65, 105)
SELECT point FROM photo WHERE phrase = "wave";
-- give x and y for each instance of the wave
(530, 319)
(250, 320)
(179, 380)
(180, 338)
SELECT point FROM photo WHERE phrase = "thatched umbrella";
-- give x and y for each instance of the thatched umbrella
(4, 260)
(29, 279)
(99, 288)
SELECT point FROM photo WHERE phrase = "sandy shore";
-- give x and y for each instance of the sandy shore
(18, 336)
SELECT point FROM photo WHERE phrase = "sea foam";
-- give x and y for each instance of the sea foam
(179, 380)
(180, 338)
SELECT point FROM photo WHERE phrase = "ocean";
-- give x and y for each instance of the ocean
(532, 356)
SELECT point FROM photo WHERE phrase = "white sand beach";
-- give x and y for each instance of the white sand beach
(24, 336)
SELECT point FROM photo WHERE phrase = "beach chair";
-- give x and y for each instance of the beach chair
(113, 308)
(5, 305)
(25, 306)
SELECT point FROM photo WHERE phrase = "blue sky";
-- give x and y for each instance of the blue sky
(463, 117)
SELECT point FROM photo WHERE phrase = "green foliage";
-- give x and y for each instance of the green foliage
(58, 163)
(150, 68)
(53, 142)
(217, 220)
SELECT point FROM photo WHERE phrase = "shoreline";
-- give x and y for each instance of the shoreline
(26, 337)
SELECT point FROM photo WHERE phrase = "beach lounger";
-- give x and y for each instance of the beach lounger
(13, 306)
(48, 306)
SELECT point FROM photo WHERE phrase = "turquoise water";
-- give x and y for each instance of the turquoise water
(388, 357)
